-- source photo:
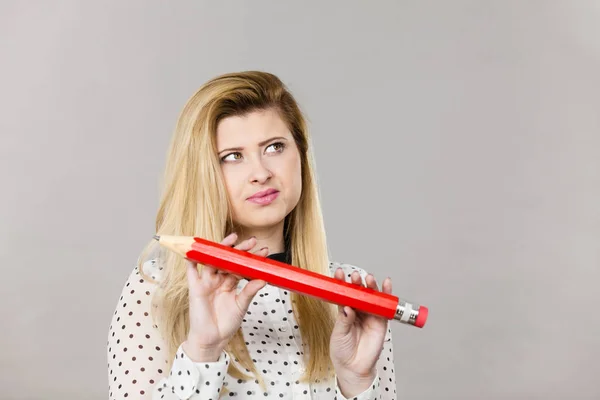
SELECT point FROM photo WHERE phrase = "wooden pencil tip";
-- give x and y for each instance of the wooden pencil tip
(156, 237)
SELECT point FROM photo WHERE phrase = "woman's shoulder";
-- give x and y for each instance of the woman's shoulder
(144, 277)
(152, 268)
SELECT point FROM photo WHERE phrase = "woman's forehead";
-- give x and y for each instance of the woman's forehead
(251, 129)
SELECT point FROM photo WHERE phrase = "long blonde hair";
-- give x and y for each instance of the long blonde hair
(194, 202)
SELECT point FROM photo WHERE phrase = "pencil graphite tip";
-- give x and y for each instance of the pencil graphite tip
(156, 237)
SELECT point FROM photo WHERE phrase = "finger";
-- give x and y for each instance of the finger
(228, 274)
(371, 282)
(355, 278)
(263, 252)
(237, 277)
(208, 272)
(230, 239)
(247, 244)
(387, 285)
(230, 281)
(193, 277)
(192, 272)
(248, 292)
(345, 320)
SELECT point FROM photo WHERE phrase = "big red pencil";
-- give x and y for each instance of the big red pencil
(276, 273)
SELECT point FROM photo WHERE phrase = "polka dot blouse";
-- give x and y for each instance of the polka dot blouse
(137, 363)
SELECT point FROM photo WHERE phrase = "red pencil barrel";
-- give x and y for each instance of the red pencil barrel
(293, 278)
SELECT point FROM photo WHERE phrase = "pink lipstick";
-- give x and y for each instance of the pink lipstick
(264, 197)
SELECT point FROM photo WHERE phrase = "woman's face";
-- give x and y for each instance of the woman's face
(261, 167)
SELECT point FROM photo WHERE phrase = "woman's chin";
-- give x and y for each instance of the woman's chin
(265, 220)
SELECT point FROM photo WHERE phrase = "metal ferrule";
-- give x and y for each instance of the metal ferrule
(406, 312)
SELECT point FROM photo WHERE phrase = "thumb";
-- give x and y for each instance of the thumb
(193, 278)
(345, 320)
(192, 272)
(248, 292)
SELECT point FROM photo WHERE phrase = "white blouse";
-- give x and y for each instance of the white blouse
(137, 354)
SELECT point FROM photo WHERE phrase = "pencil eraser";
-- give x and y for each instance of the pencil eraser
(422, 317)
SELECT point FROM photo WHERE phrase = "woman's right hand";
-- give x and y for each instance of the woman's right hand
(216, 309)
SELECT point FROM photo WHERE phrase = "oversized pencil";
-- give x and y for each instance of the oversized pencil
(276, 273)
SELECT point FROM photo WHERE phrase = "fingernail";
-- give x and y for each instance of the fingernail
(263, 248)
(344, 311)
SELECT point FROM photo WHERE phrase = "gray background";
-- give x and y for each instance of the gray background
(457, 147)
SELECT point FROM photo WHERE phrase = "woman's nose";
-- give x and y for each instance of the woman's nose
(260, 172)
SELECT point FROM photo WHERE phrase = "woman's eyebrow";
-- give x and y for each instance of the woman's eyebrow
(260, 144)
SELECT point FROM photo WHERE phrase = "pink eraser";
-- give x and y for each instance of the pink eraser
(422, 317)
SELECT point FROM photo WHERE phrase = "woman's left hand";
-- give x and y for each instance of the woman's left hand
(357, 340)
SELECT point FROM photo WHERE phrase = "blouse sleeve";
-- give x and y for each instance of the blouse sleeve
(371, 393)
(385, 368)
(137, 354)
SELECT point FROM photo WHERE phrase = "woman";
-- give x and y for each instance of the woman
(239, 172)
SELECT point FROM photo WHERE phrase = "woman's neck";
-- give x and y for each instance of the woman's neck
(270, 237)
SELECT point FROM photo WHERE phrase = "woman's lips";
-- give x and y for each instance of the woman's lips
(265, 199)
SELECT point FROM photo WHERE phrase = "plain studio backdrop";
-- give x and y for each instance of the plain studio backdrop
(457, 147)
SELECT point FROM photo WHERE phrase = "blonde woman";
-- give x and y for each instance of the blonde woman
(239, 172)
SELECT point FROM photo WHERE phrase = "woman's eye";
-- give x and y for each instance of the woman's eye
(277, 146)
(228, 157)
